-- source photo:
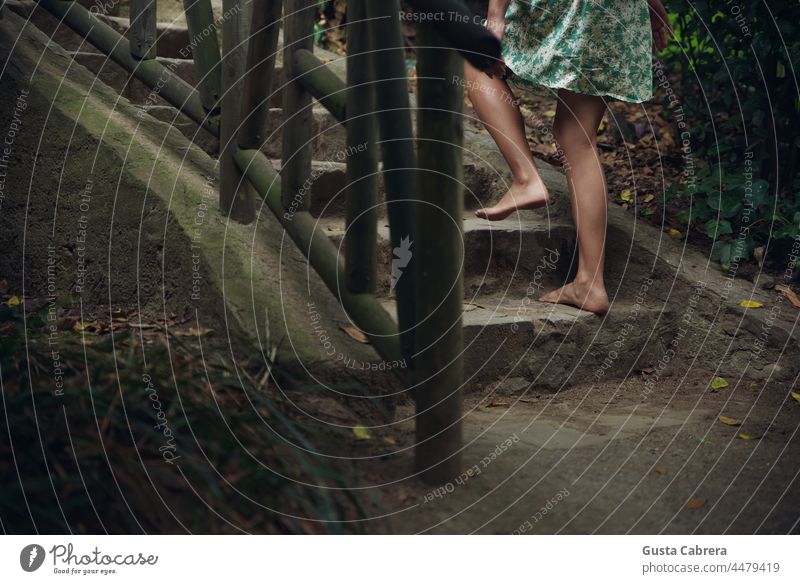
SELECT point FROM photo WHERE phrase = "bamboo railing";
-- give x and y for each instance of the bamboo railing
(423, 185)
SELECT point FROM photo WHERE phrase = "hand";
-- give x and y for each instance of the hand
(659, 22)
(497, 26)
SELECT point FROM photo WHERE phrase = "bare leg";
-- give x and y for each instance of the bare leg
(575, 128)
(497, 108)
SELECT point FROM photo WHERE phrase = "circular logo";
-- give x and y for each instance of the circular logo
(31, 557)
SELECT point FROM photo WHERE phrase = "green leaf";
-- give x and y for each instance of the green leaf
(361, 433)
(719, 383)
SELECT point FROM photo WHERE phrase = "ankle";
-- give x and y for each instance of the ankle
(526, 179)
(589, 281)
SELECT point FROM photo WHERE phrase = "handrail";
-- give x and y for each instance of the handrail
(424, 197)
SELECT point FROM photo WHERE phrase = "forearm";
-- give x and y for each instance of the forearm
(497, 9)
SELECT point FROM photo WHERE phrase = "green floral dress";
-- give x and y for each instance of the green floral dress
(594, 47)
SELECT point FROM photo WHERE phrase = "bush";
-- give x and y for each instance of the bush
(738, 92)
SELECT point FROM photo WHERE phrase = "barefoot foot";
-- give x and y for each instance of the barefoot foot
(589, 296)
(522, 195)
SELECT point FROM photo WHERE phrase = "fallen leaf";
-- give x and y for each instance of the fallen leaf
(470, 306)
(649, 198)
(729, 421)
(550, 113)
(14, 301)
(647, 371)
(361, 433)
(626, 196)
(354, 333)
(750, 304)
(390, 440)
(79, 326)
(795, 395)
(719, 383)
(696, 503)
(674, 232)
(790, 295)
(744, 436)
(199, 332)
(141, 325)
(497, 404)
(660, 469)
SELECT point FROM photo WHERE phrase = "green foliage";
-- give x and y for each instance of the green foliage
(735, 62)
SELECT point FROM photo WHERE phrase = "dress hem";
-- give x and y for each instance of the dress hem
(529, 85)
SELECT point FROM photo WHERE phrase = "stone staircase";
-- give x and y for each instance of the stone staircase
(512, 342)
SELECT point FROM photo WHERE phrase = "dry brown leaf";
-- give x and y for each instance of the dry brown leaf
(192, 332)
(354, 333)
(790, 295)
(729, 421)
(660, 469)
(497, 404)
(696, 503)
(142, 325)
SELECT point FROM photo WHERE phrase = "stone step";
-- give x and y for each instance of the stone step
(514, 343)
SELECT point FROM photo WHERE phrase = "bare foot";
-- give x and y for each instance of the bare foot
(528, 195)
(589, 296)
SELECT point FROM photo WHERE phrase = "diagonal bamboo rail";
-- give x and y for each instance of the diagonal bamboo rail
(423, 192)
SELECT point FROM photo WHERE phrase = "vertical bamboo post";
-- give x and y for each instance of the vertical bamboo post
(393, 109)
(440, 257)
(298, 33)
(236, 197)
(143, 29)
(361, 237)
(261, 53)
(205, 50)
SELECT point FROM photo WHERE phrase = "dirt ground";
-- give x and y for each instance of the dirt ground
(609, 458)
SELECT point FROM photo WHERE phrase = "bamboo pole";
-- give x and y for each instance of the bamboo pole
(205, 50)
(261, 53)
(324, 257)
(322, 83)
(361, 236)
(142, 31)
(298, 33)
(236, 198)
(152, 73)
(440, 257)
(397, 146)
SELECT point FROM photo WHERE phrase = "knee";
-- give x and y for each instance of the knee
(571, 136)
